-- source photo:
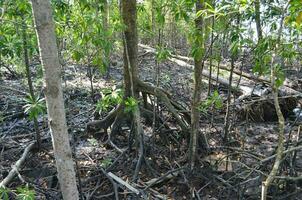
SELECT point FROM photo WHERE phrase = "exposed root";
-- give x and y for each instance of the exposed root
(104, 124)
(117, 115)
(164, 98)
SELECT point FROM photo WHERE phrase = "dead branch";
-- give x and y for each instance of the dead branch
(16, 167)
(124, 183)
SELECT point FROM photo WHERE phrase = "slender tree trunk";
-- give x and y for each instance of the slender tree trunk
(54, 98)
(281, 121)
(153, 22)
(106, 16)
(211, 55)
(258, 19)
(195, 113)
(227, 123)
(29, 80)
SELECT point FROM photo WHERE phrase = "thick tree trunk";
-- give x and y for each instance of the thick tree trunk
(54, 98)
(129, 19)
(130, 62)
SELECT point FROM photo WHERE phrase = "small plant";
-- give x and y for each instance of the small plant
(93, 141)
(34, 107)
(130, 105)
(162, 54)
(110, 97)
(106, 162)
(24, 193)
(4, 193)
(213, 101)
(166, 79)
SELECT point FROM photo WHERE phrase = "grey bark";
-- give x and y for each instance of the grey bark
(54, 97)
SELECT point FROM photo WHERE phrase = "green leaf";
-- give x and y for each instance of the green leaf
(34, 107)
(279, 76)
(4, 193)
(131, 105)
(77, 55)
(25, 194)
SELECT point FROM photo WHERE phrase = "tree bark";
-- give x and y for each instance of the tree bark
(29, 80)
(130, 62)
(129, 18)
(258, 19)
(195, 113)
(54, 98)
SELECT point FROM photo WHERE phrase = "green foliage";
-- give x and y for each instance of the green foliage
(263, 56)
(295, 17)
(162, 53)
(16, 15)
(34, 107)
(24, 193)
(278, 75)
(109, 97)
(4, 193)
(92, 141)
(131, 105)
(214, 101)
(88, 39)
(182, 9)
(106, 162)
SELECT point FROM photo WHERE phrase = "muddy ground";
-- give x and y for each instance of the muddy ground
(236, 176)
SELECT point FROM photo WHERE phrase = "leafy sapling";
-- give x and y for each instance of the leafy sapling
(34, 107)
(110, 97)
(214, 101)
(24, 193)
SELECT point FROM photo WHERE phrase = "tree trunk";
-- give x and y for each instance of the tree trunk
(153, 22)
(258, 19)
(106, 17)
(54, 97)
(195, 113)
(130, 62)
(29, 81)
(129, 19)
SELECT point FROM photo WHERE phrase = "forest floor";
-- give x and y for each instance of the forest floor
(232, 171)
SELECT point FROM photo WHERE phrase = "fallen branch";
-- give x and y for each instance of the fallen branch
(16, 167)
(124, 183)
(168, 175)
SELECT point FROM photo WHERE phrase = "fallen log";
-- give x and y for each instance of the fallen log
(243, 89)
(258, 110)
